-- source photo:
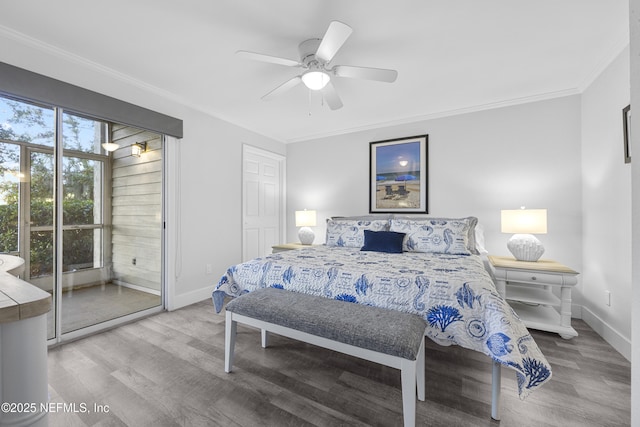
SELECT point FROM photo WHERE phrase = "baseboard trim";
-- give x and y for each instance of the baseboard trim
(608, 333)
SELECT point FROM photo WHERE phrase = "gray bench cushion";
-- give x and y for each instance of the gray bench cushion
(377, 329)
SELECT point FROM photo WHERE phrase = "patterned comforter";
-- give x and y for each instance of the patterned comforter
(454, 294)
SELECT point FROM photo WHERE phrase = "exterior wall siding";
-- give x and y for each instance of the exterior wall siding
(136, 203)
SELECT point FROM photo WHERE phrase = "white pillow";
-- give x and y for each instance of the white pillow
(437, 235)
(480, 246)
(350, 233)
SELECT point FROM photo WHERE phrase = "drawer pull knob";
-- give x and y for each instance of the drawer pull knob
(534, 278)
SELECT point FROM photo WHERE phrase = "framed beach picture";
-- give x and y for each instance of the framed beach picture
(626, 129)
(398, 175)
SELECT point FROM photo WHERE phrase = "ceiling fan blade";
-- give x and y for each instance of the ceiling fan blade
(282, 88)
(331, 97)
(267, 58)
(333, 39)
(378, 74)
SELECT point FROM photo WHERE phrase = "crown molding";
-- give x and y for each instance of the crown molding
(47, 48)
(442, 114)
(616, 49)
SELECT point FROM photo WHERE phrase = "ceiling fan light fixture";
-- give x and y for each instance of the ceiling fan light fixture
(315, 80)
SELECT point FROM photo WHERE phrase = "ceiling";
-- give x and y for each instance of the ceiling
(452, 56)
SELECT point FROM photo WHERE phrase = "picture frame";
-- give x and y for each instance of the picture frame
(398, 175)
(626, 131)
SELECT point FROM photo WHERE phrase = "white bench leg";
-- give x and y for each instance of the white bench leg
(265, 338)
(496, 385)
(408, 377)
(420, 372)
(230, 329)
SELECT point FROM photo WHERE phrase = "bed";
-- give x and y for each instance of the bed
(428, 266)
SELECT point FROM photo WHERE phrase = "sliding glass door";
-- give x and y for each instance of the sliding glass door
(70, 209)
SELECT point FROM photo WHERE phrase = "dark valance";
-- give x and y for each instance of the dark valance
(41, 89)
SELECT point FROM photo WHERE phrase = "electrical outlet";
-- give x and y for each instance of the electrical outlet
(607, 298)
(209, 269)
(134, 261)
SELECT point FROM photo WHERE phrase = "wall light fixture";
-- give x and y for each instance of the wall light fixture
(110, 146)
(138, 148)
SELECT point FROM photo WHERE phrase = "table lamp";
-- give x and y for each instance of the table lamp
(304, 220)
(524, 223)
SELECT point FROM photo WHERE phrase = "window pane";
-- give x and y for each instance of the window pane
(20, 121)
(9, 196)
(80, 179)
(41, 253)
(41, 189)
(82, 134)
(78, 250)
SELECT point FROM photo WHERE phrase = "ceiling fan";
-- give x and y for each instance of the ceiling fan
(315, 56)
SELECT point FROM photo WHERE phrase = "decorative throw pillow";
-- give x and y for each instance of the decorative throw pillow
(473, 244)
(473, 235)
(383, 241)
(349, 233)
(437, 235)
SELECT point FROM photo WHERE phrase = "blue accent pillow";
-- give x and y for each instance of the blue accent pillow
(383, 241)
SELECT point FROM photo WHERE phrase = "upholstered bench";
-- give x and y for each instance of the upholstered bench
(388, 337)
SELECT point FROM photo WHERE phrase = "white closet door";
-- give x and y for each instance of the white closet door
(262, 201)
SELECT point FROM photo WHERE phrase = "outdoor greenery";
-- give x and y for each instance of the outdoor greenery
(26, 123)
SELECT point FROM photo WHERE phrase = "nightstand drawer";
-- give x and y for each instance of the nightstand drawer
(535, 277)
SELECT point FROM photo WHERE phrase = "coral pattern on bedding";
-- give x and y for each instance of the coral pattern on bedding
(453, 293)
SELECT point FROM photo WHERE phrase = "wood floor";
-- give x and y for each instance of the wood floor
(167, 370)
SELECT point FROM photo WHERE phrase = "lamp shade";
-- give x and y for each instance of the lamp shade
(524, 221)
(305, 218)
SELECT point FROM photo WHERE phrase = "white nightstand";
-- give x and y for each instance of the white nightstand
(288, 247)
(528, 288)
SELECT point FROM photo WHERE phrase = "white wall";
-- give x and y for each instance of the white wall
(634, 22)
(607, 206)
(479, 163)
(206, 181)
(208, 212)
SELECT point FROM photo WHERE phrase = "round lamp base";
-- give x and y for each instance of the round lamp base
(306, 235)
(525, 247)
